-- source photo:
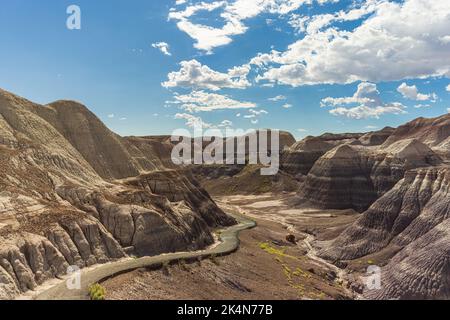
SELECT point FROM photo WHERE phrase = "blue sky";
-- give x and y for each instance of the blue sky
(332, 65)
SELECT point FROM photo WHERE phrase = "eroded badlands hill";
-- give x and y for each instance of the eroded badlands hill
(400, 180)
(74, 193)
(410, 223)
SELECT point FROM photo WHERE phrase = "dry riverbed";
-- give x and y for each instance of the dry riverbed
(265, 267)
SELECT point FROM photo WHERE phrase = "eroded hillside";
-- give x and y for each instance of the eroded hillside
(74, 193)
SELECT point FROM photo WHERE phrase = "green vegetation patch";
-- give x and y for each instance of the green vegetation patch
(97, 292)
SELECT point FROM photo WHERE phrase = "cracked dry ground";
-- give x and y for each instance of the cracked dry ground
(265, 267)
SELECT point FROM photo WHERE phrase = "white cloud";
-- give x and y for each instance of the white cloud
(371, 127)
(193, 74)
(180, 2)
(445, 39)
(420, 106)
(448, 88)
(302, 130)
(192, 121)
(225, 124)
(277, 98)
(364, 112)
(412, 93)
(367, 93)
(254, 115)
(398, 41)
(233, 13)
(287, 106)
(163, 47)
(123, 119)
(201, 101)
(111, 115)
(365, 103)
(313, 24)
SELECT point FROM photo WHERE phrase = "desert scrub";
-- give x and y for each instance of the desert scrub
(214, 259)
(97, 292)
(183, 265)
(274, 251)
(165, 268)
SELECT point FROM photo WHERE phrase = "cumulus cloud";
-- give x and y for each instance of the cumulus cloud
(193, 74)
(448, 88)
(287, 106)
(313, 24)
(233, 14)
(225, 124)
(254, 115)
(192, 121)
(398, 41)
(163, 47)
(365, 103)
(277, 98)
(412, 93)
(201, 101)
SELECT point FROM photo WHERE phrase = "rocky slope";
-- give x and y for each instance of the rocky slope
(224, 179)
(412, 222)
(399, 178)
(74, 193)
(434, 132)
(350, 176)
(300, 158)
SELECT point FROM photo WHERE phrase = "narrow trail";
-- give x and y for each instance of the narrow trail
(229, 243)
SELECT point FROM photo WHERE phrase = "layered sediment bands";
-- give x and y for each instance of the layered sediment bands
(434, 132)
(245, 178)
(341, 180)
(62, 203)
(29, 259)
(420, 271)
(355, 176)
(376, 138)
(414, 218)
(242, 179)
(300, 158)
(151, 152)
(104, 150)
(176, 187)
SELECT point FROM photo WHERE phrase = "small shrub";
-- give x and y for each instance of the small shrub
(183, 266)
(97, 292)
(291, 238)
(165, 268)
(214, 259)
